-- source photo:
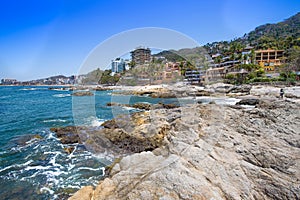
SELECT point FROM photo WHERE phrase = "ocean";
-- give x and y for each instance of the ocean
(33, 162)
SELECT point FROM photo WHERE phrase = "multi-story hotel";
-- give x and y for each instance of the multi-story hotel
(269, 59)
(118, 65)
(141, 55)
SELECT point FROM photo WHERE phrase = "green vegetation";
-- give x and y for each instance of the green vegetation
(107, 79)
(257, 74)
(101, 77)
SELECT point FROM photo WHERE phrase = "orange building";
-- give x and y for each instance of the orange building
(269, 59)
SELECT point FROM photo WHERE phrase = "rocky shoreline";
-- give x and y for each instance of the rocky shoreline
(200, 151)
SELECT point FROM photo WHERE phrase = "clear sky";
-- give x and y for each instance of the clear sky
(50, 37)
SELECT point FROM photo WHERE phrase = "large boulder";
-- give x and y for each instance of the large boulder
(67, 135)
(248, 101)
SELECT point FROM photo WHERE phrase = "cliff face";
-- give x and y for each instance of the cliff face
(212, 152)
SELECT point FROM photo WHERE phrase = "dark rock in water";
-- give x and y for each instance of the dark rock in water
(110, 124)
(169, 105)
(212, 102)
(129, 134)
(236, 106)
(202, 101)
(83, 93)
(67, 135)
(250, 102)
(112, 104)
(145, 106)
(142, 106)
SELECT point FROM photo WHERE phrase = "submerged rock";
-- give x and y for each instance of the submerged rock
(24, 139)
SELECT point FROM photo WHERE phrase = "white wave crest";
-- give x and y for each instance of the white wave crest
(54, 120)
(16, 165)
(61, 95)
(29, 89)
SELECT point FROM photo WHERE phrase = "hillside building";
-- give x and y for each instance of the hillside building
(269, 59)
(141, 55)
(118, 65)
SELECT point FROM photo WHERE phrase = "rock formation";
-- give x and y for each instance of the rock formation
(205, 152)
(83, 93)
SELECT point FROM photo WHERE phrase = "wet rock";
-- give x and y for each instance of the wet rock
(67, 135)
(169, 105)
(250, 102)
(135, 133)
(142, 106)
(110, 124)
(146, 92)
(112, 104)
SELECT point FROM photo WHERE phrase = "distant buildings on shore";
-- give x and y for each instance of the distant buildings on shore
(8, 81)
(54, 80)
(216, 68)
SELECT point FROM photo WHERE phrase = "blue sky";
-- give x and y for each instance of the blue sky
(50, 37)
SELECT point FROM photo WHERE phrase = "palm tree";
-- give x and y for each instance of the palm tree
(252, 56)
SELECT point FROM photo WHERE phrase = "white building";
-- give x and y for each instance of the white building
(118, 65)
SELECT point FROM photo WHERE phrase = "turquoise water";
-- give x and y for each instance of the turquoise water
(33, 162)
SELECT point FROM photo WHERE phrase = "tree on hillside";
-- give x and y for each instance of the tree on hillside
(294, 60)
(218, 59)
(252, 56)
(107, 79)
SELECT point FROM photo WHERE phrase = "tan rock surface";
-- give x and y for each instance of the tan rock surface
(214, 152)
